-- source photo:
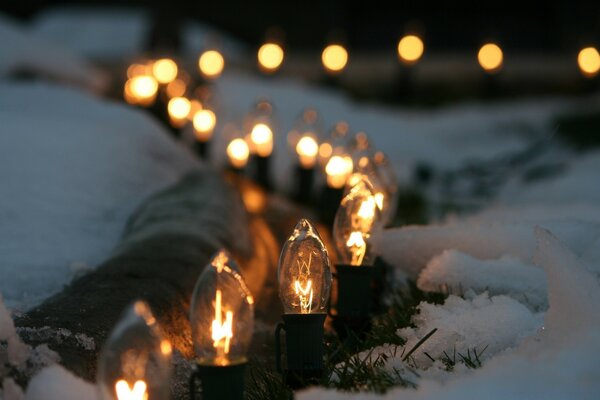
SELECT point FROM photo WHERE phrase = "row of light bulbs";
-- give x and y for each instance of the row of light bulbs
(135, 363)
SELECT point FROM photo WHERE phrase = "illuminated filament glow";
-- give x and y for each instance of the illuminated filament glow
(307, 149)
(221, 330)
(125, 392)
(238, 153)
(357, 247)
(262, 139)
(337, 169)
(379, 197)
(304, 292)
(204, 123)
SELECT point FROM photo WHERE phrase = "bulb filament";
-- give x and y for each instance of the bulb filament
(125, 392)
(221, 330)
(304, 291)
(357, 247)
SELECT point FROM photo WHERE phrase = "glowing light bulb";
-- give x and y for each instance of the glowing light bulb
(307, 149)
(135, 363)
(138, 69)
(141, 90)
(588, 60)
(261, 137)
(211, 64)
(410, 49)
(238, 153)
(270, 57)
(490, 57)
(204, 124)
(176, 88)
(164, 70)
(222, 313)
(334, 58)
(355, 221)
(304, 273)
(338, 169)
(179, 108)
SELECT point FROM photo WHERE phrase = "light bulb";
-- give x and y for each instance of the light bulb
(304, 274)
(135, 363)
(222, 313)
(334, 58)
(338, 169)
(355, 221)
(141, 89)
(211, 64)
(261, 137)
(307, 149)
(270, 57)
(164, 70)
(490, 57)
(588, 60)
(366, 167)
(410, 49)
(179, 108)
(204, 123)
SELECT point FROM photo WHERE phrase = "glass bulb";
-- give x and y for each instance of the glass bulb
(356, 219)
(222, 313)
(260, 128)
(304, 275)
(366, 167)
(385, 171)
(135, 363)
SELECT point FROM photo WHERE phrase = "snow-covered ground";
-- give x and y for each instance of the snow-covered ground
(73, 168)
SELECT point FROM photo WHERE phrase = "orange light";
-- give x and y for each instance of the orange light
(176, 88)
(589, 61)
(338, 169)
(262, 139)
(211, 64)
(204, 124)
(125, 392)
(179, 108)
(238, 153)
(490, 57)
(356, 244)
(141, 90)
(410, 49)
(164, 70)
(325, 150)
(334, 58)
(270, 57)
(307, 149)
(137, 70)
(221, 330)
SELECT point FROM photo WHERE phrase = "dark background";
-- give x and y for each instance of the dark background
(550, 26)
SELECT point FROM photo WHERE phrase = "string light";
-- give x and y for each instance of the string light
(490, 57)
(334, 58)
(211, 64)
(410, 49)
(270, 57)
(588, 60)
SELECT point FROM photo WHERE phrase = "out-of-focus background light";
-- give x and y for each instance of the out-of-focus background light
(410, 49)
(164, 70)
(334, 58)
(589, 61)
(211, 64)
(270, 57)
(490, 57)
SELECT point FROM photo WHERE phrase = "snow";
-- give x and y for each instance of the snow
(74, 168)
(56, 383)
(456, 272)
(560, 361)
(22, 50)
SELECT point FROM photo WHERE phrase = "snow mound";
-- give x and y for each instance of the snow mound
(483, 324)
(73, 170)
(56, 383)
(22, 50)
(456, 272)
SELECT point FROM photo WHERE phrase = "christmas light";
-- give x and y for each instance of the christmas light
(334, 58)
(164, 70)
(490, 57)
(410, 49)
(211, 64)
(135, 363)
(270, 57)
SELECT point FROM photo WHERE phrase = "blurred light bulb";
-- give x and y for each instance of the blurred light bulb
(334, 58)
(270, 57)
(261, 137)
(366, 167)
(410, 49)
(304, 274)
(338, 169)
(238, 153)
(141, 90)
(307, 149)
(137, 69)
(135, 363)
(222, 313)
(490, 57)
(164, 70)
(179, 108)
(211, 64)
(204, 124)
(588, 60)
(354, 223)
(176, 88)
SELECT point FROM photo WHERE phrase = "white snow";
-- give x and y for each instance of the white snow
(56, 383)
(73, 169)
(22, 50)
(456, 272)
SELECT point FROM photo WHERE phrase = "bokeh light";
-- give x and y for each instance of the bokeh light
(270, 57)
(334, 58)
(164, 70)
(589, 61)
(238, 153)
(211, 64)
(410, 49)
(490, 57)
